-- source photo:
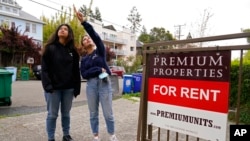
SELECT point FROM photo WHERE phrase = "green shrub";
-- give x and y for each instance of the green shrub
(245, 89)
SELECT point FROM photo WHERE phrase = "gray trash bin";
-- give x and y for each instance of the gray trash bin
(114, 84)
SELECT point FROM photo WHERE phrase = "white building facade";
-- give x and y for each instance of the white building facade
(11, 15)
(122, 43)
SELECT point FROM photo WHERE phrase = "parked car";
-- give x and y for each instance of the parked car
(118, 70)
(37, 70)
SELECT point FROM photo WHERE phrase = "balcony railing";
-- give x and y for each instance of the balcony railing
(118, 51)
(115, 40)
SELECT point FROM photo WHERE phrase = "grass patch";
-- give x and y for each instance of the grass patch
(132, 96)
(6, 116)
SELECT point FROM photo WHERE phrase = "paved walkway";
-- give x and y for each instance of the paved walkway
(32, 127)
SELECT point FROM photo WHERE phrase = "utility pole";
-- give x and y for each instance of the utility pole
(178, 31)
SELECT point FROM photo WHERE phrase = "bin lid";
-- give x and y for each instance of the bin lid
(24, 68)
(3, 71)
(127, 75)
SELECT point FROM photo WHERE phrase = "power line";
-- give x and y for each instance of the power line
(48, 6)
(68, 13)
(57, 3)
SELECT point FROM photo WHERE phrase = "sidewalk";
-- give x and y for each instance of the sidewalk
(32, 127)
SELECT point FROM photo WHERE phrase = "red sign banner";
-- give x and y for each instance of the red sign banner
(212, 96)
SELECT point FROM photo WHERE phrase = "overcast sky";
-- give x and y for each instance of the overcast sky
(229, 16)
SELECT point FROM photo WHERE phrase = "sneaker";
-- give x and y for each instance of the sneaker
(113, 138)
(67, 138)
(96, 139)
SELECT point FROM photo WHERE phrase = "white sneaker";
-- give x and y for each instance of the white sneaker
(97, 139)
(113, 138)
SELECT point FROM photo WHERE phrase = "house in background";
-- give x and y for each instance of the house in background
(122, 42)
(139, 47)
(11, 15)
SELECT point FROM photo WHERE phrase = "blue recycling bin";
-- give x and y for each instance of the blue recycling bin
(137, 78)
(128, 84)
(13, 70)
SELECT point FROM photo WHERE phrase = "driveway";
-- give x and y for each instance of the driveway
(28, 97)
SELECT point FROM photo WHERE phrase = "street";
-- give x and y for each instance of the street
(28, 97)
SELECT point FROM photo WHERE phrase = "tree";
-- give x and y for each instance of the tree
(97, 15)
(160, 34)
(66, 17)
(62, 17)
(203, 24)
(134, 18)
(89, 12)
(156, 34)
(12, 43)
(247, 30)
(247, 53)
(144, 36)
(84, 10)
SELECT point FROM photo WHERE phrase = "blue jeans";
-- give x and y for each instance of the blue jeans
(99, 91)
(58, 99)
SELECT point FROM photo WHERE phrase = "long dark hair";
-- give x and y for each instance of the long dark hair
(54, 37)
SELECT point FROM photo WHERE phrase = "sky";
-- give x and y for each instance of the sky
(228, 16)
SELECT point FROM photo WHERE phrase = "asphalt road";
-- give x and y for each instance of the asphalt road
(28, 97)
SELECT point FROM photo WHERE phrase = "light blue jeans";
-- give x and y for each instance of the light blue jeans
(58, 99)
(99, 91)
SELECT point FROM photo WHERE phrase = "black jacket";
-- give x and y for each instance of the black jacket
(60, 68)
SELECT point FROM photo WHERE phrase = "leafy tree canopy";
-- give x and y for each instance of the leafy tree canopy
(12, 43)
(156, 34)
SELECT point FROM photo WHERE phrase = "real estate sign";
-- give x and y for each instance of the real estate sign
(188, 93)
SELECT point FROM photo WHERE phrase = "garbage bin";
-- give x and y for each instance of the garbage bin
(13, 70)
(137, 78)
(5, 87)
(114, 83)
(25, 73)
(127, 84)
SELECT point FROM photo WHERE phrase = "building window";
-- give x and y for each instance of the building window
(7, 9)
(5, 1)
(131, 48)
(104, 35)
(33, 28)
(11, 2)
(112, 36)
(27, 29)
(15, 11)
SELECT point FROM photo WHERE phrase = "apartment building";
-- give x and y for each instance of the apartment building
(122, 42)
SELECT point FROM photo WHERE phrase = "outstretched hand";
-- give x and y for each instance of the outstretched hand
(79, 15)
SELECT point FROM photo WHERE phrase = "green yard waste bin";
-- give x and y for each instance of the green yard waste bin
(25, 73)
(5, 87)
